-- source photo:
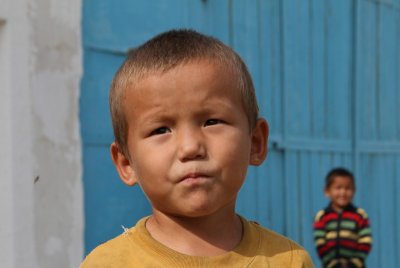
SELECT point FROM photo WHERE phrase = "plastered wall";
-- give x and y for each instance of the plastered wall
(40, 151)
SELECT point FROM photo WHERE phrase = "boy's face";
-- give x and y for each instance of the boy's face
(189, 140)
(341, 192)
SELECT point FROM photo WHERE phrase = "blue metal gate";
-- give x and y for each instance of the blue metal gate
(327, 75)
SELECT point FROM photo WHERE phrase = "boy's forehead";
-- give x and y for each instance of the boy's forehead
(199, 74)
(342, 179)
(219, 68)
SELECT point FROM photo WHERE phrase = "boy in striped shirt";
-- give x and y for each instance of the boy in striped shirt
(341, 231)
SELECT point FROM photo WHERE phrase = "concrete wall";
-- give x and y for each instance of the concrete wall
(40, 152)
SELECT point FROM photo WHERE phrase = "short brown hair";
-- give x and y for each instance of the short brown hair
(338, 172)
(166, 51)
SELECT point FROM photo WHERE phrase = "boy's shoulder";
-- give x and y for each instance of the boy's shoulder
(117, 252)
(319, 214)
(270, 237)
(362, 212)
(278, 249)
(113, 253)
(357, 210)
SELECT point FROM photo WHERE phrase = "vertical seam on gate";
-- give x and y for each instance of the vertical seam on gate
(283, 104)
(325, 73)
(397, 71)
(230, 23)
(377, 74)
(311, 70)
(354, 103)
(261, 87)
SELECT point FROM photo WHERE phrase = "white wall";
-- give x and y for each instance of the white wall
(40, 152)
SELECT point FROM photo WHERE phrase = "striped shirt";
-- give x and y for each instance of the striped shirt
(342, 238)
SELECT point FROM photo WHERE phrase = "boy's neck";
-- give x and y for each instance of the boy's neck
(337, 208)
(204, 236)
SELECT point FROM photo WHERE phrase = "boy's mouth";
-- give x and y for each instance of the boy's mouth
(194, 176)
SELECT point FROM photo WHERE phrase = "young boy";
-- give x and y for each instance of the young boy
(341, 231)
(186, 128)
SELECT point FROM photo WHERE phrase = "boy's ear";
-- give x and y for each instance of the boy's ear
(259, 142)
(326, 193)
(123, 165)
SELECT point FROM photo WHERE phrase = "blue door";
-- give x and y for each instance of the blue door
(327, 75)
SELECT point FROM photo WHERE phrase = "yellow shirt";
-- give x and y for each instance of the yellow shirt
(259, 247)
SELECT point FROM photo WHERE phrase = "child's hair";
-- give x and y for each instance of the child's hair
(166, 51)
(338, 172)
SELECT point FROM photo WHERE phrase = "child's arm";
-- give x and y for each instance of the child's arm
(319, 234)
(364, 239)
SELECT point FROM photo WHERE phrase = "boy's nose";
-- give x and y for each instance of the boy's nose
(190, 145)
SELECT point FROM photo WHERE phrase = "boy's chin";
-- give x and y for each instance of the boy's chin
(342, 205)
(194, 214)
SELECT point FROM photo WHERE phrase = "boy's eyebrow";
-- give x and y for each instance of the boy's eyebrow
(155, 117)
(163, 115)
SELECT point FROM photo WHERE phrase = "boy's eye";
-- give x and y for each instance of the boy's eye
(159, 131)
(211, 122)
